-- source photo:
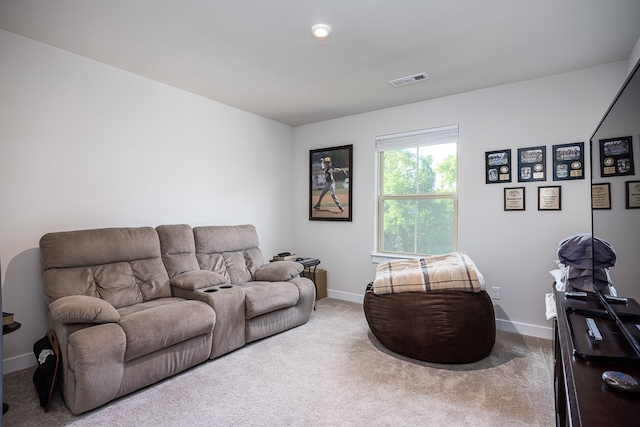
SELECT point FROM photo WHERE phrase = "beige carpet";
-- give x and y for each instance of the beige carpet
(329, 372)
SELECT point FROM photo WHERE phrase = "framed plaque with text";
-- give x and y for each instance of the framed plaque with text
(549, 198)
(633, 194)
(601, 196)
(514, 199)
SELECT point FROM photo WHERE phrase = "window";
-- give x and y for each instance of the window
(417, 192)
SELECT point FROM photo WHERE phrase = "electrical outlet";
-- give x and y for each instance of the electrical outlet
(495, 292)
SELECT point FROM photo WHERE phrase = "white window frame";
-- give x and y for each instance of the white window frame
(433, 136)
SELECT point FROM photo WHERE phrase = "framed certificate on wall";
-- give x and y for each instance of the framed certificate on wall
(601, 196)
(514, 199)
(633, 194)
(549, 198)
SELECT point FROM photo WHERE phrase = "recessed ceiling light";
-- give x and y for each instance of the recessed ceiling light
(320, 32)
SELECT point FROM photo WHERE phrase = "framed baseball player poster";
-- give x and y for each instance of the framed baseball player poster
(330, 183)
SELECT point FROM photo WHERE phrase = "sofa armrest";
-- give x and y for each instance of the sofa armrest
(278, 271)
(197, 279)
(83, 309)
(94, 370)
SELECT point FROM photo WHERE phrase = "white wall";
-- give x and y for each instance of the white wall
(85, 145)
(514, 250)
(634, 57)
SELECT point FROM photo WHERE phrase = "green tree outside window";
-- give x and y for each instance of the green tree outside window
(418, 199)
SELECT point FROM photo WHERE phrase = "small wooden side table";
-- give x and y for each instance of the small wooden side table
(11, 327)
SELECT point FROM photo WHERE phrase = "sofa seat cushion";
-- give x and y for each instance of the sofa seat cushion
(159, 324)
(265, 297)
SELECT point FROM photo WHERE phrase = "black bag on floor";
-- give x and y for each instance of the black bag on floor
(47, 355)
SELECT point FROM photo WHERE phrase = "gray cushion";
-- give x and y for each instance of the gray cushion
(278, 271)
(265, 297)
(120, 265)
(229, 250)
(225, 238)
(100, 246)
(162, 326)
(83, 309)
(198, 279)
(178, 248)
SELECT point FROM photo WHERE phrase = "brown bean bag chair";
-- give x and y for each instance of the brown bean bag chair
(435, 326)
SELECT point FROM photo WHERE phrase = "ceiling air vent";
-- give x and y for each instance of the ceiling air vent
(409, 79)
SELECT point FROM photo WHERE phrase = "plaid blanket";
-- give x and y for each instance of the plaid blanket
(453, 271)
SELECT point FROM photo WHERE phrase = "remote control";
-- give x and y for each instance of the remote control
(619, 300)
(621, 381)
(594, 332)
(577, 294)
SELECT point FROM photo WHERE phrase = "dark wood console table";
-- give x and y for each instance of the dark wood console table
(582, 398)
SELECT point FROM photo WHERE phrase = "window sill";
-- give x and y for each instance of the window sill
(377, 258)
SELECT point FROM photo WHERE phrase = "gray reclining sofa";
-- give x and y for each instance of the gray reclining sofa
(132, 306)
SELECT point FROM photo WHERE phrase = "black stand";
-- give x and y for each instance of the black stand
(310, 263)
(7, 329)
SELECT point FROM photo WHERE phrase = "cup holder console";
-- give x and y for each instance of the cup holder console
(216, 289)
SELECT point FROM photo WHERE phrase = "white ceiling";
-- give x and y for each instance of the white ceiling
(258, 55)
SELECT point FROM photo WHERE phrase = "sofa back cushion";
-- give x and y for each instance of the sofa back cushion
(178, 248)
(230, 250)
(123, 266)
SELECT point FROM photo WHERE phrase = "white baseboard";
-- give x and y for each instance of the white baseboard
(345, 296)
(524, 329)
(18, 363)
(501, 325)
